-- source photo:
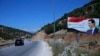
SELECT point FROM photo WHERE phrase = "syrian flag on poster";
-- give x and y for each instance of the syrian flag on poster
(80, 23)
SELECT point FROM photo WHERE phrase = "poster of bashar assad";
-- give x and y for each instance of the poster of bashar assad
(88, 25)
(93, 29)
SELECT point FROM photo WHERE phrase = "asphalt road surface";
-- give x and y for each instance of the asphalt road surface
(30, 48)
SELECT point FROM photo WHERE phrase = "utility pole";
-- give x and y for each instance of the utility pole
(54, 20)
(2, 29)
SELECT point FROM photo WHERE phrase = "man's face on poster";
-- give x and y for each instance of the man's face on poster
(91, 25)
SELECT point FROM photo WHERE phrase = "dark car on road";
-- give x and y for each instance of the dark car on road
(19, 42)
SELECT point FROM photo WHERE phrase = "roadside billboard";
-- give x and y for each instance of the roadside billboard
(88, 25)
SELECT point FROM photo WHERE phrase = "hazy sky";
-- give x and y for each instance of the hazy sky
(31, 15)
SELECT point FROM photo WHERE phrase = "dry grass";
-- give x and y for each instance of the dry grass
(89, 52)
(57, 48)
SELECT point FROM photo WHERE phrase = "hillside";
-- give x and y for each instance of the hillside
(90, 10)
(12, 33)
(88, 44)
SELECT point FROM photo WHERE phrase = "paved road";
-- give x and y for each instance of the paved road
(26, 50)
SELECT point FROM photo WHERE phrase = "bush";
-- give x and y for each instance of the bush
(93, 43)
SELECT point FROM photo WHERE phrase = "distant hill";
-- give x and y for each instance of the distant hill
(90, 10)
(12, 33)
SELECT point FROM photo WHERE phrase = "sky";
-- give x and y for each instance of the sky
(31, 15)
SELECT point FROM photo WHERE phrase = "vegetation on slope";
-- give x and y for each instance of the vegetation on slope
(12, 33)
(90, 10)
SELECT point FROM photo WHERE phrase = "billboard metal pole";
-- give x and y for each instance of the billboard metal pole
(77, 37)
